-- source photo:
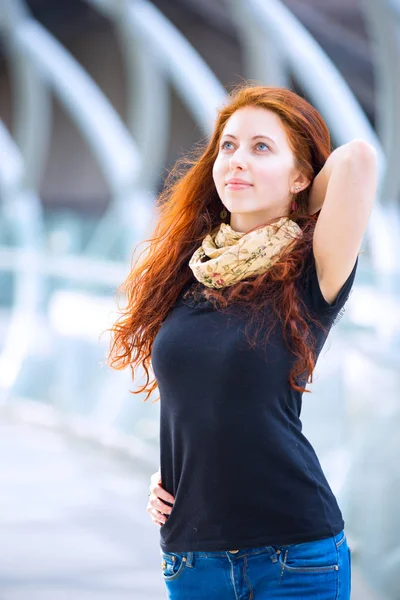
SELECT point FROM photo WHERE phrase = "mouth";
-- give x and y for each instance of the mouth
(237, 186)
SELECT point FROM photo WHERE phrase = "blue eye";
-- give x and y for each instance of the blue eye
(223, 145)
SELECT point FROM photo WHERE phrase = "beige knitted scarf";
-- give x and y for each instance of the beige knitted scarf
(227, 256)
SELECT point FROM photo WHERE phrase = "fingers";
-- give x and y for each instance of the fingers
(156, 506)
(163, 494)
(156, 517)
(157, 510)
(157, 489)
(156, 503)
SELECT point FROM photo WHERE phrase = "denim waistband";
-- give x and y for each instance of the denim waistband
(237, 553)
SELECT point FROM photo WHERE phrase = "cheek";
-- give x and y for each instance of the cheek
(273, 175)
(218, 173)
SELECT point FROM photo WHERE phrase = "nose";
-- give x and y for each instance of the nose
(237, 160)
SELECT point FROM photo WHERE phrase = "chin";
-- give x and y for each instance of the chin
(246, 210)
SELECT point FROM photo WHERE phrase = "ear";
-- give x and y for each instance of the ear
(301, 181)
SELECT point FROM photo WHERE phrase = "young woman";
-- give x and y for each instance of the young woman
(254, 255)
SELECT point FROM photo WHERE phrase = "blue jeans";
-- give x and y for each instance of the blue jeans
(319, 570)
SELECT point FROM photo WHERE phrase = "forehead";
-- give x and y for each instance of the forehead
(251, 120)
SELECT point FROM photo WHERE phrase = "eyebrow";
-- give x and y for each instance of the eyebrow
(253, 138)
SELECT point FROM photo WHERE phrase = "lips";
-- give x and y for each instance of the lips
(237, 182)
(237, 186)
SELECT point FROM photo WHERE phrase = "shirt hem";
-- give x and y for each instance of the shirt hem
(277, 540)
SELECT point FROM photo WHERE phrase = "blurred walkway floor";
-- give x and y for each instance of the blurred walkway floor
(73, 522)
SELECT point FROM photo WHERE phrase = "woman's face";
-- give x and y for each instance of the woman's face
(254, 147)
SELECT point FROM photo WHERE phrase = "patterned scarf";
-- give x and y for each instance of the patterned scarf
(227, 256)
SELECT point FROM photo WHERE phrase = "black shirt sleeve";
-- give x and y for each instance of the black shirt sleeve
(314, 296)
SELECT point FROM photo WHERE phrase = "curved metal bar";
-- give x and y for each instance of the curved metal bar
(31, 99)
(173, 55)
(97, 120)
(263, 59)
(383, 23)
(154, 51)
(21, 208)
(332, 96)
(99, 123)
(148, 121)
(193, 80)
(148, 95)
(32, 117)
(104, 131)
(148, 108)
(315, 72)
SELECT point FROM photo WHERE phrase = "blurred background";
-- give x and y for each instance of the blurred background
(98, 98)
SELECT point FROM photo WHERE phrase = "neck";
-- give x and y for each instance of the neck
(242, 222)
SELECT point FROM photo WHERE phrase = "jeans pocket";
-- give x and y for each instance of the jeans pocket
(172, 565)
(310, 557)
(341, 541)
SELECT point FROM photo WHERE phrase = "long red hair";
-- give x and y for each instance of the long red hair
(189, 209)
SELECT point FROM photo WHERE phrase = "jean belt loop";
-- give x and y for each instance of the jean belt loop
(189, 559)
